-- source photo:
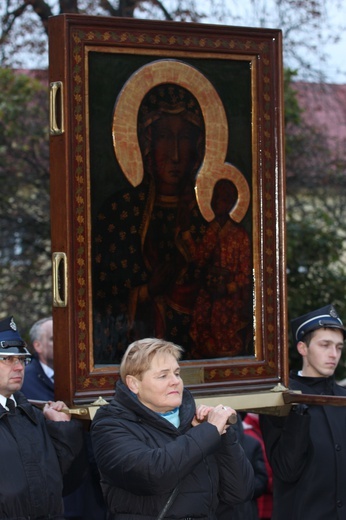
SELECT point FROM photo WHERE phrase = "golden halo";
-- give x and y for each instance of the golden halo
(125, 139)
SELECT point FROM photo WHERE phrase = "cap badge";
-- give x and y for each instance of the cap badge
(13, 325)
(333, 313)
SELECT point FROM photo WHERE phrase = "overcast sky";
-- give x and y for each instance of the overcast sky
(264, 13)
(261, 12)
(336, 67)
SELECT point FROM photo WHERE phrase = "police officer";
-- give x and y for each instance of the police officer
(36, 448)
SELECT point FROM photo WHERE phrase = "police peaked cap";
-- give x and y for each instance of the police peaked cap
(10, 341)
(326, 317)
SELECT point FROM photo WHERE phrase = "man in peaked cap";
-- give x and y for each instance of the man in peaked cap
(326, 317)
(36, 448)
(307, 449)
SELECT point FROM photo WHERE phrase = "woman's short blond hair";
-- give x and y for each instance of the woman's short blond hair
(139, 354)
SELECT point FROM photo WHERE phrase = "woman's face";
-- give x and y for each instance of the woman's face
(161, 387)
(174, 152)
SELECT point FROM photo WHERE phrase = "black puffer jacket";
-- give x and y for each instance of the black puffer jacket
(254, 452)
(34, 454)
(142, 458)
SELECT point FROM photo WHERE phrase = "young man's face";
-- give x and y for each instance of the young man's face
(322, 356)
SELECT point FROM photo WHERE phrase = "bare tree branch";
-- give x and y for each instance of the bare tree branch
(43, 11)
(8, 21)
(126, 8)
(159, 4)
(68, 6)
(107, 6)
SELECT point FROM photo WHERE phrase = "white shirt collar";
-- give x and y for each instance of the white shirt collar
(3, 400)
(47, 370)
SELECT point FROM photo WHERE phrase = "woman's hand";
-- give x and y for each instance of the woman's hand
(218, 416)
(201, 414)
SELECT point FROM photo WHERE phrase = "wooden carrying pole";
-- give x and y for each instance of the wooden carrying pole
(277, 401)
(87, 411)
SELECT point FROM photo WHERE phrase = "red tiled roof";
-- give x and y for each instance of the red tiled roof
(39, 74)
(324, 107)
(323, 104)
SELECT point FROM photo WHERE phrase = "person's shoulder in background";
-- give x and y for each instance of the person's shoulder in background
(37, 386)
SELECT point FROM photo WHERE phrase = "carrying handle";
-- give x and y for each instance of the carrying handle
(60, 279)
(56, 108)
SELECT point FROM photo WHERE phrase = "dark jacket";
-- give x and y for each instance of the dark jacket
(248, 510)
(36, 384)
(308, 456)
(142, 458)
(82, 493)
(34, 453)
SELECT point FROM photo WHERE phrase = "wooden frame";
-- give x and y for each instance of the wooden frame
(104, 75)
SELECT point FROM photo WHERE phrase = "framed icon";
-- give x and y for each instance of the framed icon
(168, 207)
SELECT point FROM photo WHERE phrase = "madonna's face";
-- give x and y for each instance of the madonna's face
(174, 152)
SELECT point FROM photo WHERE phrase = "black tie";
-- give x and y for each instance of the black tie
(10, 405)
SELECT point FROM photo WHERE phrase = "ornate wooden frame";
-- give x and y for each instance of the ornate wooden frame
(78, 44)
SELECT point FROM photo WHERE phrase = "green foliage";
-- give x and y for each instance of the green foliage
(316, 273)
(24, 198)
(292, 109)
